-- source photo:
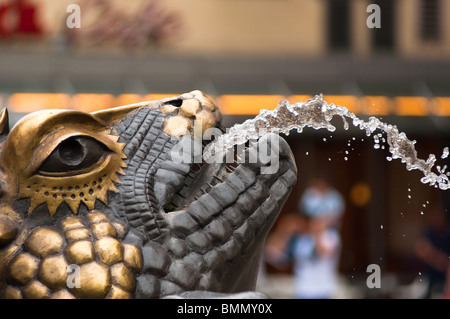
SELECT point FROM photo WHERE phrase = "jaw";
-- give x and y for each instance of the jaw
(219, 215)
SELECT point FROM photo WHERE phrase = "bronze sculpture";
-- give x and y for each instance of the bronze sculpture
(100, 192)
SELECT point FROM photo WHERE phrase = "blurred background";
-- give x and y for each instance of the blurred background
(248, 55)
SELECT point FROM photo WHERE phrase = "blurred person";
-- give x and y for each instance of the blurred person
(310, 239)
(313, 249)
(277, 249)
(316, 253)
(433, 248)
(316, 257)
(321, 199)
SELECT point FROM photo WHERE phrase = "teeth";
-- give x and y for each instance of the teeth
(269, 206)
(290, 177)
(219, 230)
(233, 216)
(279, 189)
(230, 249)
(258, 192)
(204, 209)
(245, 175)
(242, 234)
(257, 218)
(234, 181)
(224, 194)
(201, 212)
(246, 203)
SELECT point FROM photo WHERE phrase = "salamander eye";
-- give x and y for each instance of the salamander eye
(74, 154)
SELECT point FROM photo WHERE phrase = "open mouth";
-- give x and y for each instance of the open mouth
(176, 192)
(221, 212)
(229, 192)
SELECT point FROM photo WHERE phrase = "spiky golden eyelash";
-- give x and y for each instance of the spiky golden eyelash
(76, 189)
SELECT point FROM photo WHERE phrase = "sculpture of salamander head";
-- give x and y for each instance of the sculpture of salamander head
(95, 205)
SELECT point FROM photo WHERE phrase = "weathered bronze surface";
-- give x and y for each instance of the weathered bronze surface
(100, 192)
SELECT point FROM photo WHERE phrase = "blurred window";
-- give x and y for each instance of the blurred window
(430, 20)
(383, 38)
(339, 24)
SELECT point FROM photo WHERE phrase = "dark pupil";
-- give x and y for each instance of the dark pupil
(72, 152)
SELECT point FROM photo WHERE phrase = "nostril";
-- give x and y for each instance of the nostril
(176, 102)
(8, 232)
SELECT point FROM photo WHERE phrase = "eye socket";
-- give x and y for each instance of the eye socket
(74, 154)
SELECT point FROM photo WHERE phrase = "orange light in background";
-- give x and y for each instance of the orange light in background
(299, 98)
(360, 194)
(352, 103)
(232, 104)
(30, 102)
(88, 102)
(248, 104)
(156, 97)
(126, 99)
(376, 105)
(411, 106)
(441, 106)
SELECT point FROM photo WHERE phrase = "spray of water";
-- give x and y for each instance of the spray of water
(316, 113)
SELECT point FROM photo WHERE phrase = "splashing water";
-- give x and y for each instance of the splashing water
(317, 114)
(445, 153)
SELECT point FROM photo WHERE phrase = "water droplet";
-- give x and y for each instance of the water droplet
(445, 153)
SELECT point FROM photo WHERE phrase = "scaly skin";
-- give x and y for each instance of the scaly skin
(100, 192)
